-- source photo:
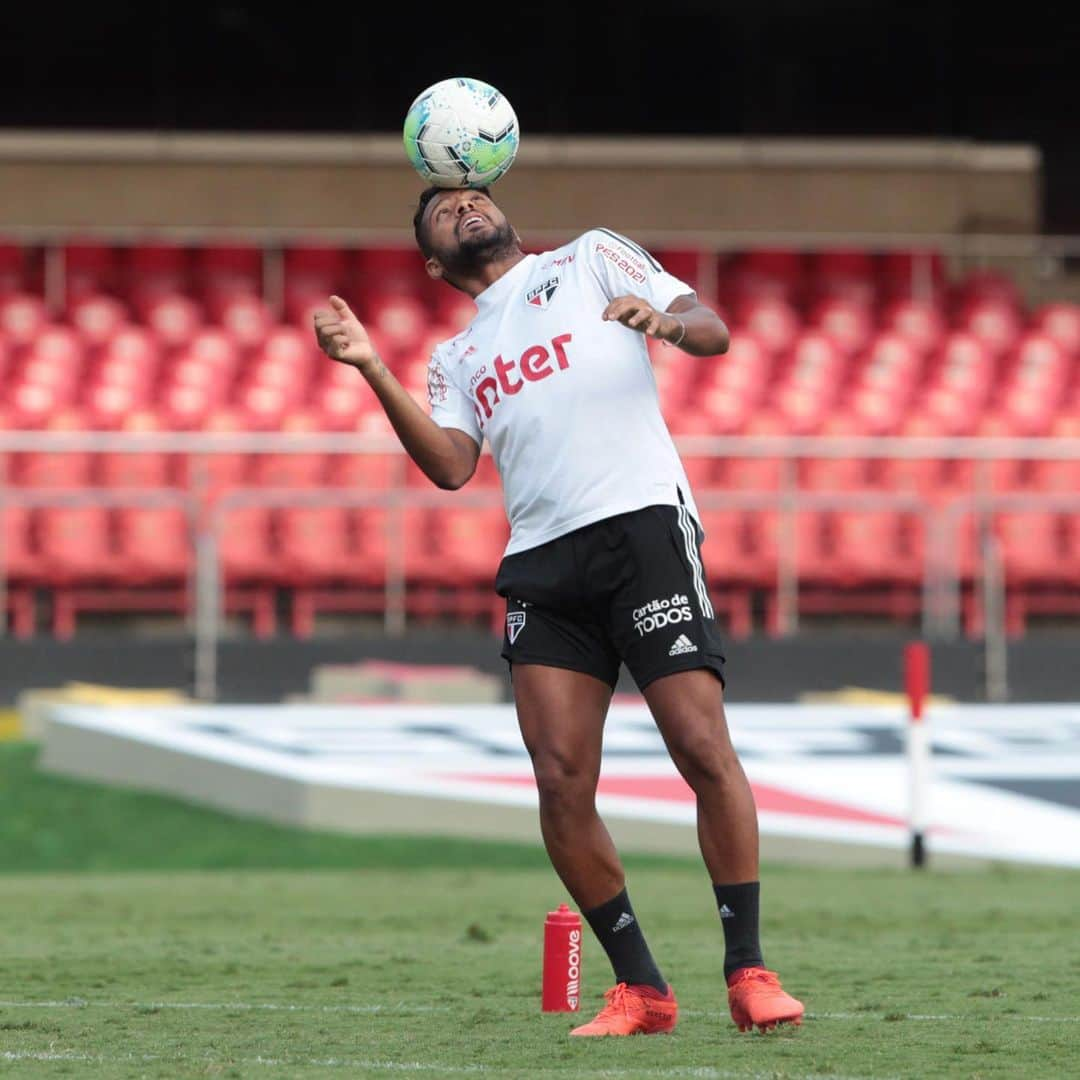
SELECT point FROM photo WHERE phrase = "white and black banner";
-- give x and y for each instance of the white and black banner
(1005, 779)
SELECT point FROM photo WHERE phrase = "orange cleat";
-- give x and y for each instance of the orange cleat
(756, 997)
(633, 1010)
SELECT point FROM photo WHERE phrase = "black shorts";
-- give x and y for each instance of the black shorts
(629, 589)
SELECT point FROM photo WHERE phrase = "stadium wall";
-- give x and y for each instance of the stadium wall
(72, 180)
(1040, 667)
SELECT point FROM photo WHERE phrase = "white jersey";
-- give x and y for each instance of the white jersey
(567, 401)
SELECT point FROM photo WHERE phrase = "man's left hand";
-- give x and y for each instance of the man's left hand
(640, 315)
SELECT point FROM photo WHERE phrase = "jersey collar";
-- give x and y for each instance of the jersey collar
(497, 291)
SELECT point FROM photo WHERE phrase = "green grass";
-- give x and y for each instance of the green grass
(422, 958)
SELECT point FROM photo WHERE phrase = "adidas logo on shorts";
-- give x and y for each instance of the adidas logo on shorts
(682, 645)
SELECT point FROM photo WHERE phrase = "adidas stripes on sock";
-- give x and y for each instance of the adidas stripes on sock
(617, 929)
(738, 906)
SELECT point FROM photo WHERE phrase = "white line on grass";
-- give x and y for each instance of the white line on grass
(700, 1072)
(880, 1014)
(402, 1008)
(397, 1008)
(931, 1017)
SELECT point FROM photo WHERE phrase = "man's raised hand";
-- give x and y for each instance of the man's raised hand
(640, 315)
(342, 336)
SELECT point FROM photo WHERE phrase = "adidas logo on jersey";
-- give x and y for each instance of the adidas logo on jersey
(624, 920)
(726, 912)
(682, 645)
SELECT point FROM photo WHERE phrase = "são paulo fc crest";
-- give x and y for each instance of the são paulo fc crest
(515, 621)
(540, 295)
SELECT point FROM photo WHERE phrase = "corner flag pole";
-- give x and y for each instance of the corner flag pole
(917, 685)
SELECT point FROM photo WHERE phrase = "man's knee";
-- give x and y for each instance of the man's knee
(703, 753)
(562, 781)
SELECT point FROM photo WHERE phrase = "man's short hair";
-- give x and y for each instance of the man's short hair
(418, 218)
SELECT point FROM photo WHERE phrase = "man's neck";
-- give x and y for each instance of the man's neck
(489, 273)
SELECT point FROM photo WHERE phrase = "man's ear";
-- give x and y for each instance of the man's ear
(434, 268)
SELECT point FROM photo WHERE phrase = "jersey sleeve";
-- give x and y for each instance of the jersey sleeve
(450, 406)
(622, 267)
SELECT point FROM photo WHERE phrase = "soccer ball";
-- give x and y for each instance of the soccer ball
(461, 133)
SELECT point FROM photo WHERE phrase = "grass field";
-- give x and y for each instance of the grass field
(358, 957)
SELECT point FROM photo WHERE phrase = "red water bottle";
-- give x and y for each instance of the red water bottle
(562, 961)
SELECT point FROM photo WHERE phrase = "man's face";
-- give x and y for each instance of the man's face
(464, 228)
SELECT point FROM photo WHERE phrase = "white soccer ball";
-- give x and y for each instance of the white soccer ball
(461, 133)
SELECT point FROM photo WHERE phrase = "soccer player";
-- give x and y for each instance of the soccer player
(604, 562)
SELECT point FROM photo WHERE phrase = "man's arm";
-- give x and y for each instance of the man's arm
(686, 324)
(447, 456)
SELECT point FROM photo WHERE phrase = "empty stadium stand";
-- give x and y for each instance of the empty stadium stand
(165, 338)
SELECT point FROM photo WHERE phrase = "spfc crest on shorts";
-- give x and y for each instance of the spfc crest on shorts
(540, 295)
(515, 621)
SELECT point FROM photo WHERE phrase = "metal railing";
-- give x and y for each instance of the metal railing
(940, 588)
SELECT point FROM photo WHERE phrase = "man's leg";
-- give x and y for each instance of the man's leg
(688, 707)
(561, 714)
(689, 711)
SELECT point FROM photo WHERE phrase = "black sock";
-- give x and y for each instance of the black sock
(738, 905)
(617, 929)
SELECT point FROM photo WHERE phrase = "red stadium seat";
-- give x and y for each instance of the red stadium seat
(23, 317)
(994, 322)
(109, 405)
(97, 318)
(244, 545)
(20, 561)
(31, 405)
(136, 345)
(757, 473)
(471, 542)
(398, 270)
(1062, 323)
(338, 406)
(263, 406)
(217, 472)
(215, 347)
(90, 269)
(773, 321)
(289, 345)
(154, 545)
(152, 271)
(189, 371)
(13, 269)
(174, 319)
(849, 275)
(76, 544)
(114, 372)
(919, 322)
(224, 272)
(315, 544)
(730, 571)
(21, 567)
(398, 320)
(247, 319)
(454, 311)
(149, 469)
(764, 274)
(847, 323)
(283, 377)
(989, 286)
(917, 275)
(293, 470)
(365, 572)
(59, 346)
(45, 469)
